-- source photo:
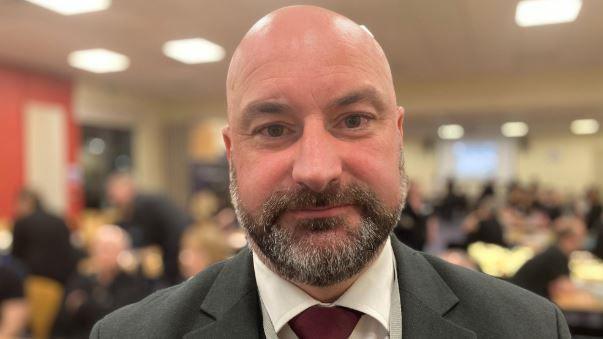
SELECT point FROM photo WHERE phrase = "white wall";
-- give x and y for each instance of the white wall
(558, 160)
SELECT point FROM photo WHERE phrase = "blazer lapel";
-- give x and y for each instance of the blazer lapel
(232, 302)
(425, 298)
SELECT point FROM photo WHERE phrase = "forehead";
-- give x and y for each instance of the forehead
(308, 78)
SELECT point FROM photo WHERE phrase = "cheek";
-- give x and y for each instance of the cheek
(259, 175)
(377, 165)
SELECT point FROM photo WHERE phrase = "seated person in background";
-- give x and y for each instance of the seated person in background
(416, 225)
(150, 220)
(483, 225)
(453, 205)
(201, 246)
(598, 248)
(595, 209)
(459, 257)
(547, 273)
(13, 306)
(89, 297)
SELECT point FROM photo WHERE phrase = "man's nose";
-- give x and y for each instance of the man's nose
(317, 162)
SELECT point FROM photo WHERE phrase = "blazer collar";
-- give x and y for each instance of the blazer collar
(233, 301)
(425, 298)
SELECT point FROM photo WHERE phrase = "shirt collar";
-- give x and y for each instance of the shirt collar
(370, 293)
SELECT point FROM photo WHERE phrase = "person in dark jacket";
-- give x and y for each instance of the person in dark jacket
(416, 225)
(41, 240)
(483, 225)
(548, 272)
(314, 143)
(150, 220)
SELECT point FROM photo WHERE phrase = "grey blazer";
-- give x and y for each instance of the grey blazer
(439, 300)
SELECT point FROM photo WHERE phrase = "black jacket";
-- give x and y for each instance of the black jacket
(41, 243)
(439, 300)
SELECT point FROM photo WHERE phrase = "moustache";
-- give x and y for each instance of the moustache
(304, 198)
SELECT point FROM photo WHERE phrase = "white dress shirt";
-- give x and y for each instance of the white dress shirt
(370, 294)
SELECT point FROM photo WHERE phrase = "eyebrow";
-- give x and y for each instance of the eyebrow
(261, 108)
(369, 94)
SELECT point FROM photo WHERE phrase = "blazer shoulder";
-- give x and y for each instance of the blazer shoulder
(499, 302)
(165, 313)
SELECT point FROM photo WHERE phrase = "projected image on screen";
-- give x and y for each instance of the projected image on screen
(475, 160)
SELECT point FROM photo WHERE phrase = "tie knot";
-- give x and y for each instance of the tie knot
(318, 322)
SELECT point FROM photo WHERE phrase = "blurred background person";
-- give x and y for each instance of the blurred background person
(104, 286)
(453, 204)
(459, 257)
(41, 243)
(417, 225)
(593, 209)
(202, 245)
(483, 224)
(548, 272)
(150, 220)
(14, 309)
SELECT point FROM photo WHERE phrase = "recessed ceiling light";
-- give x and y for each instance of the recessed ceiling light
(451, 132)
(546, 12)
(514, 129)
(98, 60)
(193, 51)
(70, 7)
(584, 126)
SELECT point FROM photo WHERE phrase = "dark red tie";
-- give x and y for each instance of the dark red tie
(318, 322)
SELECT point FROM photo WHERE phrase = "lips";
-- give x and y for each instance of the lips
(320, 212)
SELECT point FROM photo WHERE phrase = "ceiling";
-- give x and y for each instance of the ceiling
(425, 40)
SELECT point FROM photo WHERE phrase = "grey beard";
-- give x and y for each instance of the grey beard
(297, 259)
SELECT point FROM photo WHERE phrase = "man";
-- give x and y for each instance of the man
(107, 287)
(150, 220)
(547, 274)
(41, 242)
(314, 142)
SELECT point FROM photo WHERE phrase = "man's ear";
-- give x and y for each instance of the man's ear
(227, 141)
(400, 120)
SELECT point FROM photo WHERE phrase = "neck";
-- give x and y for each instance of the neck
(566, 248)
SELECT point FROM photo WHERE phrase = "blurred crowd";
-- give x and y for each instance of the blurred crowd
(57, 280)
(549, 225)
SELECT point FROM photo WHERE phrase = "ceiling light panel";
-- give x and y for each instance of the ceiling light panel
(193, 51)
(546, 12)
(514, 129)
(99, 60)
(584, 126)
(71, 7)
(451, 132)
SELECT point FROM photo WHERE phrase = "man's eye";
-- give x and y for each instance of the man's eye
(274, 131)
(353, 121)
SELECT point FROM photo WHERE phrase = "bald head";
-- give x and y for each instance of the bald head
(300, 38)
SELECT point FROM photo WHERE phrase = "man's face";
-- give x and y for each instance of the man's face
(120, 192)
(314, 144)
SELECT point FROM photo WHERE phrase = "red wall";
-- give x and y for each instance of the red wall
(17, 88)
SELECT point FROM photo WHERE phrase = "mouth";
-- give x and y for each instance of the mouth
(320, 212)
